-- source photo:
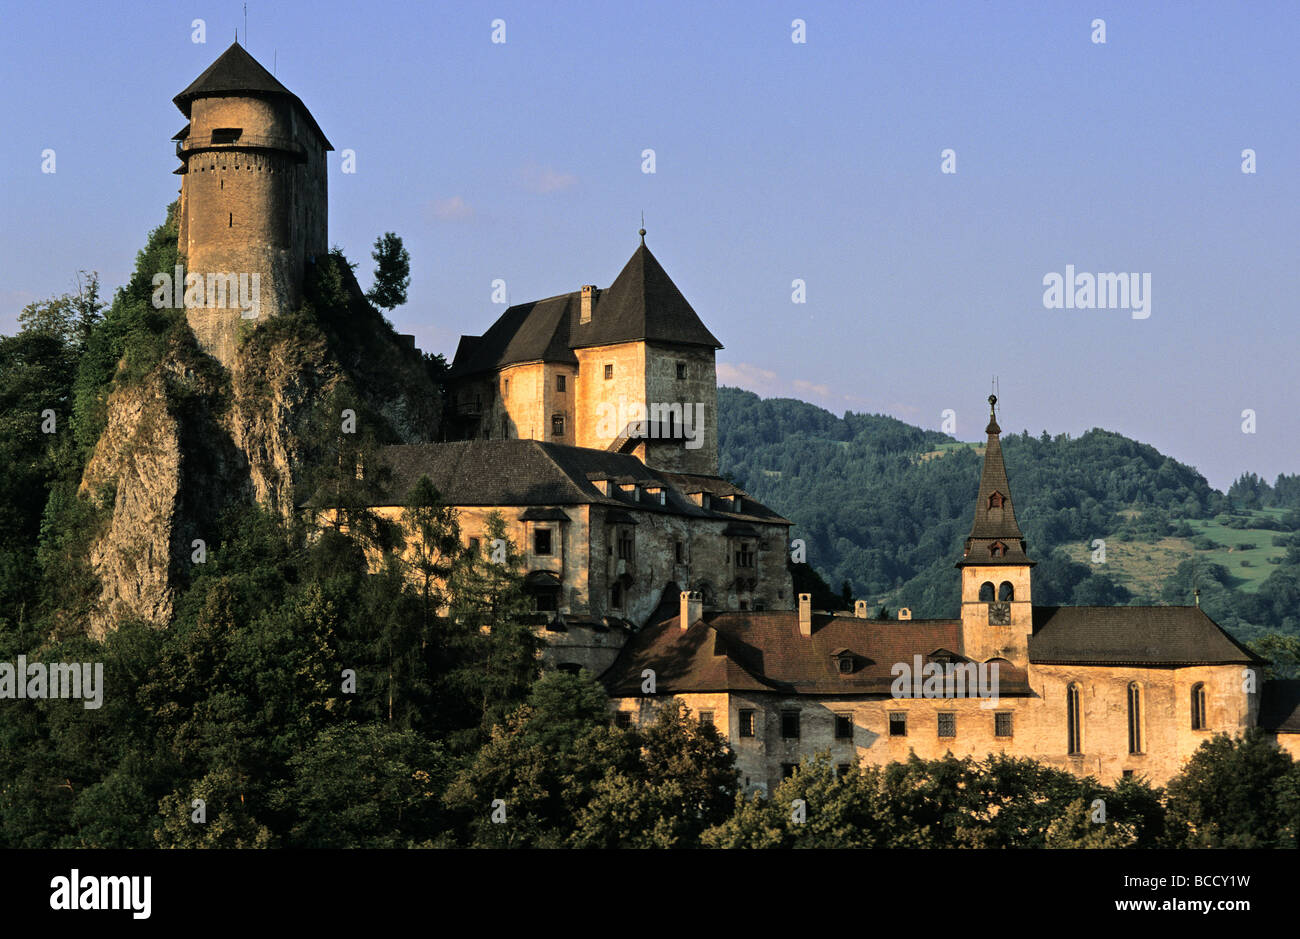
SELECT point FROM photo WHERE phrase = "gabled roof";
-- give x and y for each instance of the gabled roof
(535, 473)
(1279, 707)
(235, 72)
(1132, 635)
(764, 651)
(643, 304)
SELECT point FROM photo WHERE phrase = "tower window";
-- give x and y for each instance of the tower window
(557, 425)
(1198, 706)
(1073, 720)
(1134, 718)
(746, 722)
(1006, 591)
(986, 592)
(542, 541)
(609, 372)
(790, 725)
(226, 134)
(232, 220)
(559, 383)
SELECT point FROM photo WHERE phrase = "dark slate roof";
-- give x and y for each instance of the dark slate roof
(991, 524)
(764, 651)
(1279, 707)
(235, 72)
(1132, 635)
(642, 304)
(536, 473)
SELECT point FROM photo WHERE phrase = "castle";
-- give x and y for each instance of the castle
(588, 422)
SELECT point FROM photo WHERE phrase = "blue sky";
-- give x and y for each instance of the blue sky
(774, 161)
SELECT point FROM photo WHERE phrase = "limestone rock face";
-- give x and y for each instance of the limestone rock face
(137, 459)
(190, 439)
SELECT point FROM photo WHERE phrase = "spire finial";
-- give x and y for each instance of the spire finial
(642, 231)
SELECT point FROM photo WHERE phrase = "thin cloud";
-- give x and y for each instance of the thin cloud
(454, 209)
(545, 179)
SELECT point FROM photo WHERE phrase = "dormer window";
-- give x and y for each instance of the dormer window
(996, 500)
(844, 663)
(998, 549)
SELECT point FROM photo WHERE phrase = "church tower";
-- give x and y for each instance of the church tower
(253, 197)
(996, 612)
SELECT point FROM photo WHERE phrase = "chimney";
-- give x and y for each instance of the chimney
(805, 614)
(588, 296)
(692, 607)
(904, 613)
(860, 609)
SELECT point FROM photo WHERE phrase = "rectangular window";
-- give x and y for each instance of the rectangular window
(1134, 718)
(542, 541)
(557, 425)
(623, 719)
(843, 726)
(681, 370)
(1002, 724)
(609, 372)
(790, 725)
(559, 383)
(746, 722)
(616, 596)
(788, 769)
(706, 717)
(473, 545)
(679, 550)
(898, 724)
(947, 724)
(745, 556)
(625, 544)
(842, 769)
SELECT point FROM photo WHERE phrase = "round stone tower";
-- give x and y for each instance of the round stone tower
(253, 198)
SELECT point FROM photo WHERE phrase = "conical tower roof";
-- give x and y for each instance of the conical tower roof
(236, 73)
(995, 536)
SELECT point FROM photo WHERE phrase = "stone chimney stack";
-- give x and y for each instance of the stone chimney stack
(692, 607)
(805, 614)
(860, 609)
(588, 297)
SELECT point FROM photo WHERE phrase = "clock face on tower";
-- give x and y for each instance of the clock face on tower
(1000, 613)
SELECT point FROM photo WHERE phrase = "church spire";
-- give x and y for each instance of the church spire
(995, 537)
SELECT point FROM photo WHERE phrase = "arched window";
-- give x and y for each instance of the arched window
(986, 592)
(1006, 591)
(1134, 717)
(1074, 719)
(1198, 706)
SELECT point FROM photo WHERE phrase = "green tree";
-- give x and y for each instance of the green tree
(1235, 792)
(392, 272)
